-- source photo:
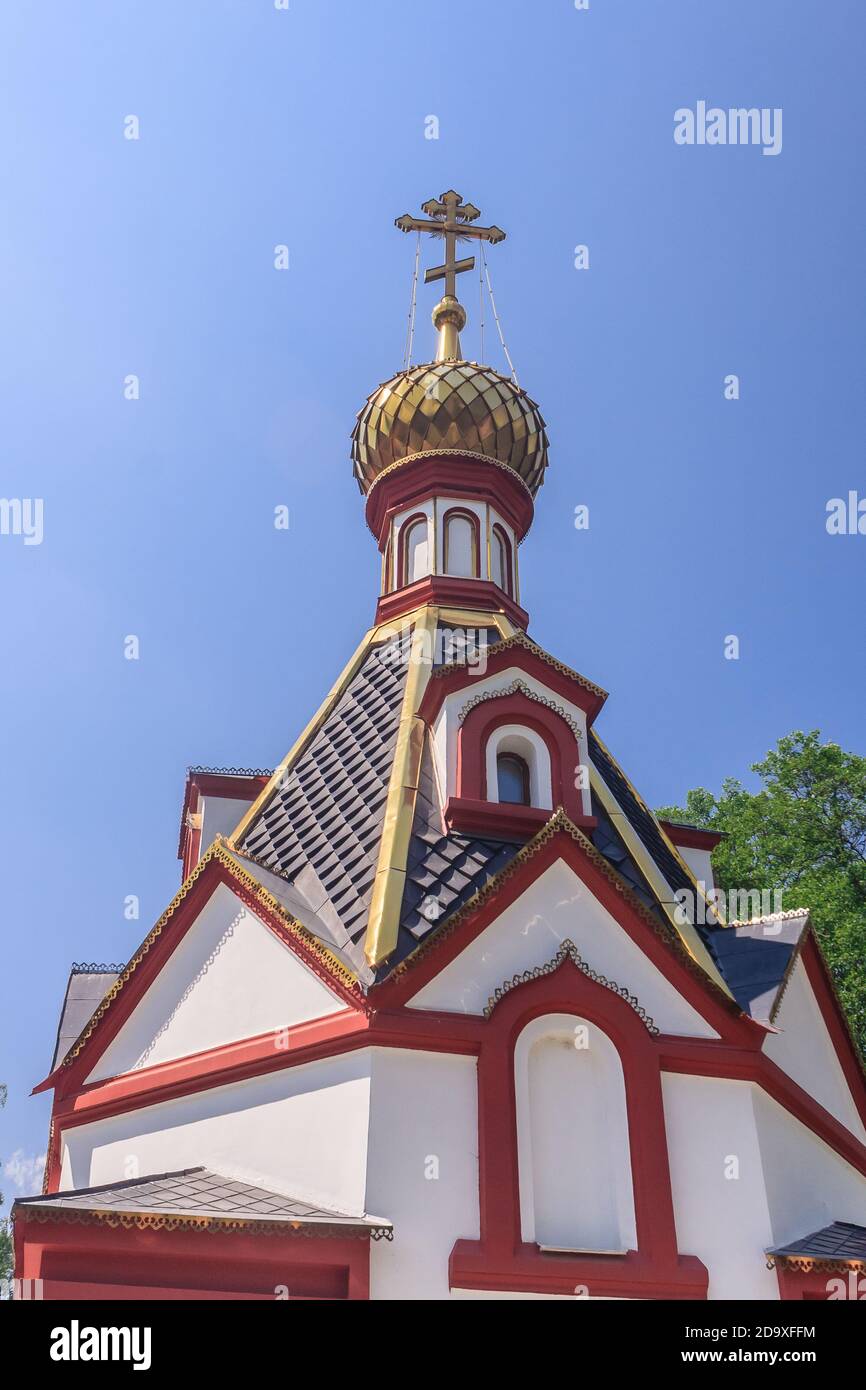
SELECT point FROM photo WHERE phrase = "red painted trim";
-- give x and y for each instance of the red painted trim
(690, 837)
(481, 724)
(416, 519)
(218, 1066)
(814, 1284)
(199, 784)
(190, 836)
(450, 592)
(528, 1270)
(211, 1263)
(531, 663)
(779, 1085)
(501, 820)
(443, 475)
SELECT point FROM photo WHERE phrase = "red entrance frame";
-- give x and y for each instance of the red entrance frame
(501, 1259)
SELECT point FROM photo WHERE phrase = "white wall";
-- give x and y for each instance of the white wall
(221, 815)
(302, 1131)
(724, 1220)
(808, 1184)
(529, 932)
(803, 1048)
(700, 863)
(229, 978)
(423, 1168)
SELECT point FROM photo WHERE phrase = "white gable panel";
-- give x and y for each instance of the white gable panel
(556, 907)
(804, 1049)
(229, 978)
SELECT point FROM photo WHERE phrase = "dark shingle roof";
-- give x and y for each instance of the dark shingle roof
(85, 991)
(842, 1241)
(321, 829)
(196, 1193)
(315, 844)
(443, 869)
(753, 958)
(643, 822)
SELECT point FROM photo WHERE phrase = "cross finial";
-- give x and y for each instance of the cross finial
(452, 219)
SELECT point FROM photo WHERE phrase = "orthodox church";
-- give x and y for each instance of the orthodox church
(426, 1018)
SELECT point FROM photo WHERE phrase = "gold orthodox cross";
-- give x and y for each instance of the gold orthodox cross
(451, 218)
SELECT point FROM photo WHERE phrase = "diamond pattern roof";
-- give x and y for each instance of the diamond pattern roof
(321, 830)
(198, 1192)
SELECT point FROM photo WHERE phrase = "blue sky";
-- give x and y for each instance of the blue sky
(155, 257)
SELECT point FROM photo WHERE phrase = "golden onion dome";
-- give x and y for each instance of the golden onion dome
(450, 406)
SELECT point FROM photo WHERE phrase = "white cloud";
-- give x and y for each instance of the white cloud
(25, 1172)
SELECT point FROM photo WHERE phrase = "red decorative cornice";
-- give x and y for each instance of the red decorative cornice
(500, 820)
(449, 591)
(469, 476)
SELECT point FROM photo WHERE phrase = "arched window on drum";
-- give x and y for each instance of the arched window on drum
(461, 544)
(501, 565)
(414, 550)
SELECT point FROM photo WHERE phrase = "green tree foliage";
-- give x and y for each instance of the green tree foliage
(803, 831)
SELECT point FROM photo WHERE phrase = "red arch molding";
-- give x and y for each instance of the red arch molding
(501, 1260)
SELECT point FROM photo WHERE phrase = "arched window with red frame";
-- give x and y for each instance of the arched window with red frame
(461, 543)
(501, 566)
(413, 550)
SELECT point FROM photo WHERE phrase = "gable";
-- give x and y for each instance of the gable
(804, 1050)
(558, 906)
(229, 978)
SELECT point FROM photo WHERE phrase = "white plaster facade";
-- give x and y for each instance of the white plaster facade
(393, 1132)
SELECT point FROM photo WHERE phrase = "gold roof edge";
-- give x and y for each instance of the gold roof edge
(384, 917)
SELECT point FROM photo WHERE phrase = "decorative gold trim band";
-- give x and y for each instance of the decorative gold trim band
(215, 1225)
